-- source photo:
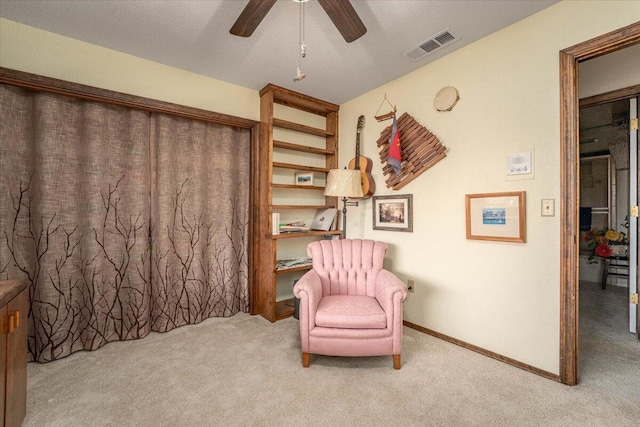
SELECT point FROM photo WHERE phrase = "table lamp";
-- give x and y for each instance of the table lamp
(344, 183)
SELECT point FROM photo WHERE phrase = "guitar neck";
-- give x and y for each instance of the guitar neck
(358, 150)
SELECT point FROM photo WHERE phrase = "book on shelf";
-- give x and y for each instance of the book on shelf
(296, 226)
(284, 264)
(275, 223)
(294, 223)
(334, 224)
(293, 229)
(324, 219)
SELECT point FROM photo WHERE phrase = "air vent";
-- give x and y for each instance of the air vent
(429, 46)
(432, 44)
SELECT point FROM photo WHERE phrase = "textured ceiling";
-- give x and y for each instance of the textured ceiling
(194, 36)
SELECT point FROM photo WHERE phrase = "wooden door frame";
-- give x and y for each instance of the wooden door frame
(569, 184)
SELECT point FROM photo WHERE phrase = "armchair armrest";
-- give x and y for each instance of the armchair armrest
(391, 291)
(309, 290)
(387, 284)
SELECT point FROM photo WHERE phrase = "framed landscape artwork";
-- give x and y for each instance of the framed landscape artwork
(304, 178)
(496, 216)
(393, 213)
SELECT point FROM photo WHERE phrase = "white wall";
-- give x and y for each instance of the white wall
(616, 70)
(503, 297)
(40, 52)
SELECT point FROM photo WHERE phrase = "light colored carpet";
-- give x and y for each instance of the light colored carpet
(245, 371)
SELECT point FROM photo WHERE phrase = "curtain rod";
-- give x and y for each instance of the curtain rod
(63, 87)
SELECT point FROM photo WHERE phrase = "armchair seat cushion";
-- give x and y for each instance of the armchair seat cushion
(350, 312)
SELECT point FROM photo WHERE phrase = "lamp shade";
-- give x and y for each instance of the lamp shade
(343, 183)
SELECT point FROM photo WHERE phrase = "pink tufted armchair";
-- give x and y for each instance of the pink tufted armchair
(349, 304)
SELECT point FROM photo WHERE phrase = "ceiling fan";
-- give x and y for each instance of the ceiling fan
(341, 12)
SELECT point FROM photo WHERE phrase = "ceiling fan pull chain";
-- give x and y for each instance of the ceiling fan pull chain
(303, 47)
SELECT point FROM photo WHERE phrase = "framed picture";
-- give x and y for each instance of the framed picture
(496, 216)
(304, 178)
(393, 213)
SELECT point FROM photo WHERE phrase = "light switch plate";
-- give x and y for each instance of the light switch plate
(548, 207)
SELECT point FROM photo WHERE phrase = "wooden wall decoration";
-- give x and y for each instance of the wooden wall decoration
(421, 149)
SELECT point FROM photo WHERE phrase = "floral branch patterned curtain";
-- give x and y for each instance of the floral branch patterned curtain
(122, 221)
(200, 211)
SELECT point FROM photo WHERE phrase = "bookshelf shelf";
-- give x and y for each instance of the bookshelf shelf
(284, 124)
(298, 234)
(302, 148)
(284, 309)
(298, 187)
(287, 207)
(293, 269)
(300, 167)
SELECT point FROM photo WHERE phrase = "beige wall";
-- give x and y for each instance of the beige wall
(35, 51)
(503, 297)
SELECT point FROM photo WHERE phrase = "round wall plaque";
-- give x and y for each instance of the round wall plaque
(446, 98)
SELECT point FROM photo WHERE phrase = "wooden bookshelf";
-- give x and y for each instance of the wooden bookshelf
(265, 243)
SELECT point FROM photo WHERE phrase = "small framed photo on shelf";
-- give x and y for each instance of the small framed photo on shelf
(304, 178)
(496, 216)
(393, 213)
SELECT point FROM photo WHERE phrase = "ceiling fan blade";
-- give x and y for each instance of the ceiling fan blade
(251, 16)
(345, 18)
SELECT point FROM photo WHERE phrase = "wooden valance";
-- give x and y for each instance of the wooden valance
(421, 149)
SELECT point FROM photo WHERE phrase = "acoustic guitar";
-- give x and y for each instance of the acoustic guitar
(363, 164)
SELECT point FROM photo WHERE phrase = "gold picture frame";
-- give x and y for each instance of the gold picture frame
(496, 216)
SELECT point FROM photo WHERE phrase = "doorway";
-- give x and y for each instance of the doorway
(604, 183)
(569, 209)
(607, 349)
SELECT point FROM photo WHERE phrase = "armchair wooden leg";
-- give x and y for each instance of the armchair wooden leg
(305, 360)
(396, 361)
